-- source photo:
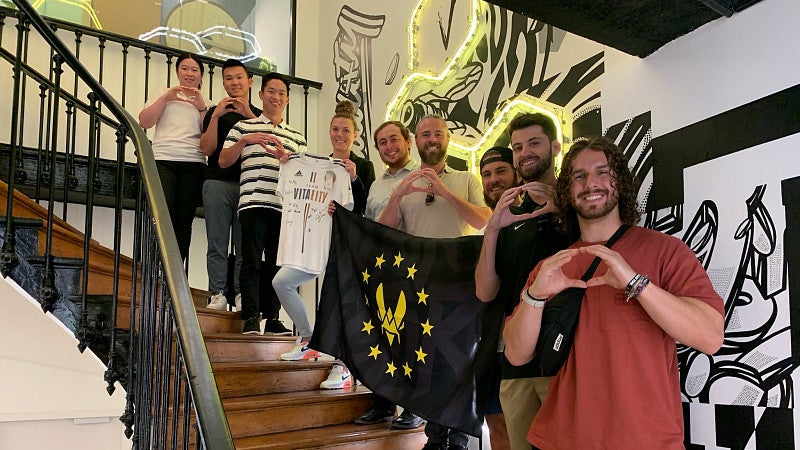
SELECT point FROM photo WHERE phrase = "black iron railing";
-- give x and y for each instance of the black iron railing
(61, 128)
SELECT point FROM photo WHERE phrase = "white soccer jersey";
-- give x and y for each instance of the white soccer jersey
(307, 184)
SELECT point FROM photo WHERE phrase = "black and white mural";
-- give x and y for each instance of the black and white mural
(728, 185)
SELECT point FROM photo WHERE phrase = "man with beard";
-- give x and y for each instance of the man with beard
(393, 141)
(512, 246)
(497, 174)
(437, 201)
(619, 387)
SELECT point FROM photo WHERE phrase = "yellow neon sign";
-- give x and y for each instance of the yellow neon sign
(510, 109)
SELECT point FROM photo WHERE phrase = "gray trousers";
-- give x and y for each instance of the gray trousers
(220, 201)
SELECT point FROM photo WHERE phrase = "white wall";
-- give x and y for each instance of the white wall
(723, 64)
(52, 395)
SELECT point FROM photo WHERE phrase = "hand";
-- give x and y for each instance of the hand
(435, 184)
(331, 208)
(406, 186)
(503, 217)
(619, 273)
(539, 192)
(551, 279)
(234, 104)
(269, 143)
(350, 167)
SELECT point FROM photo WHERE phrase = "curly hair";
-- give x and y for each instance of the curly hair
(622, 180)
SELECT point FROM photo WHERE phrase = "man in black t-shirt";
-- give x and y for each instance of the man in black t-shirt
(520, 233)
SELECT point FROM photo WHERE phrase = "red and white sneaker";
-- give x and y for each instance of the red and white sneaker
(300, 352)
(339, 378)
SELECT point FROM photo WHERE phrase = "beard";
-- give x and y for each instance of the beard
(536, 172)
(491, 198)
(491, 201)
(596, 211)
(432, 155)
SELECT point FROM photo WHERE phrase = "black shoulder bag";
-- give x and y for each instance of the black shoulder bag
(559, 320)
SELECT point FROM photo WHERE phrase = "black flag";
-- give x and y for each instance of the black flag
(401, 312)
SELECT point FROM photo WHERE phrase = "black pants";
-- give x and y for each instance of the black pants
(261, 228)
(183, 189)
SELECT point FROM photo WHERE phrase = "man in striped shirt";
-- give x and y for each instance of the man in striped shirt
(254, 141)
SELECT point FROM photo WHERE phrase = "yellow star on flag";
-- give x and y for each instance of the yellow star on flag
(421, 355)
(390, 368)
(379, 262)
(398, 259)
(365, 275)
(422, 297)
(367, 326)
(411, 271)
(407, 370)
(374, 352)
(427, 327)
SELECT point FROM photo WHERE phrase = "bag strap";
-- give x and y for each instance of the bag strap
(618, 234)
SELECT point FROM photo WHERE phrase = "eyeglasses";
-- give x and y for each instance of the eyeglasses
(429, 198)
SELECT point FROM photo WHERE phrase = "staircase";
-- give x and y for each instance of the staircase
(159, 347)
(269, 403)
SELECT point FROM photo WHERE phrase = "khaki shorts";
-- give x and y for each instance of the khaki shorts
(521, 399)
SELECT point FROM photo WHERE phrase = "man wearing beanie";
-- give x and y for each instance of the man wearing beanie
(520, 233)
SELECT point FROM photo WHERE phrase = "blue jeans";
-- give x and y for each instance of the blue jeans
(220, 201)
(286, 282)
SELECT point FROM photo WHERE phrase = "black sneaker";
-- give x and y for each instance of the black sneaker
(251, 326)
(275, 327)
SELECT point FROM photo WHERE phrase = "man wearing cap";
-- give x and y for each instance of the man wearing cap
(497, 175)
(512, 246)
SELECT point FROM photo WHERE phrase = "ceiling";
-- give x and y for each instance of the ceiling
(636, 27)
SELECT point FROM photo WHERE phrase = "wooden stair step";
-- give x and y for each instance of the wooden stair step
(345, 436)
(239, 379)
(231, 347)
(274, 413)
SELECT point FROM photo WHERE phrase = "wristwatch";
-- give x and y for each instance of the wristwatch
(535, 302)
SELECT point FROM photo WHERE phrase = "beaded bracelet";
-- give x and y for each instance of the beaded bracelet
(637, 288)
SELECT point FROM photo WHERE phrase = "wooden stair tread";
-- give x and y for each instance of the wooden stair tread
(271, 366)
(233, 337)
(284, 399)
(323, 436)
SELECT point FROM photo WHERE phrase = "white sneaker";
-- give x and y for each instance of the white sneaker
(218, 301)
(238, 302)
(339, 378)
(300, 352)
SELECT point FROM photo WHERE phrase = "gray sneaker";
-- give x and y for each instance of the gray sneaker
(218, 302)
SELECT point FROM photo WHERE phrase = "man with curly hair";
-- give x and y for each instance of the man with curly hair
(619, 387)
